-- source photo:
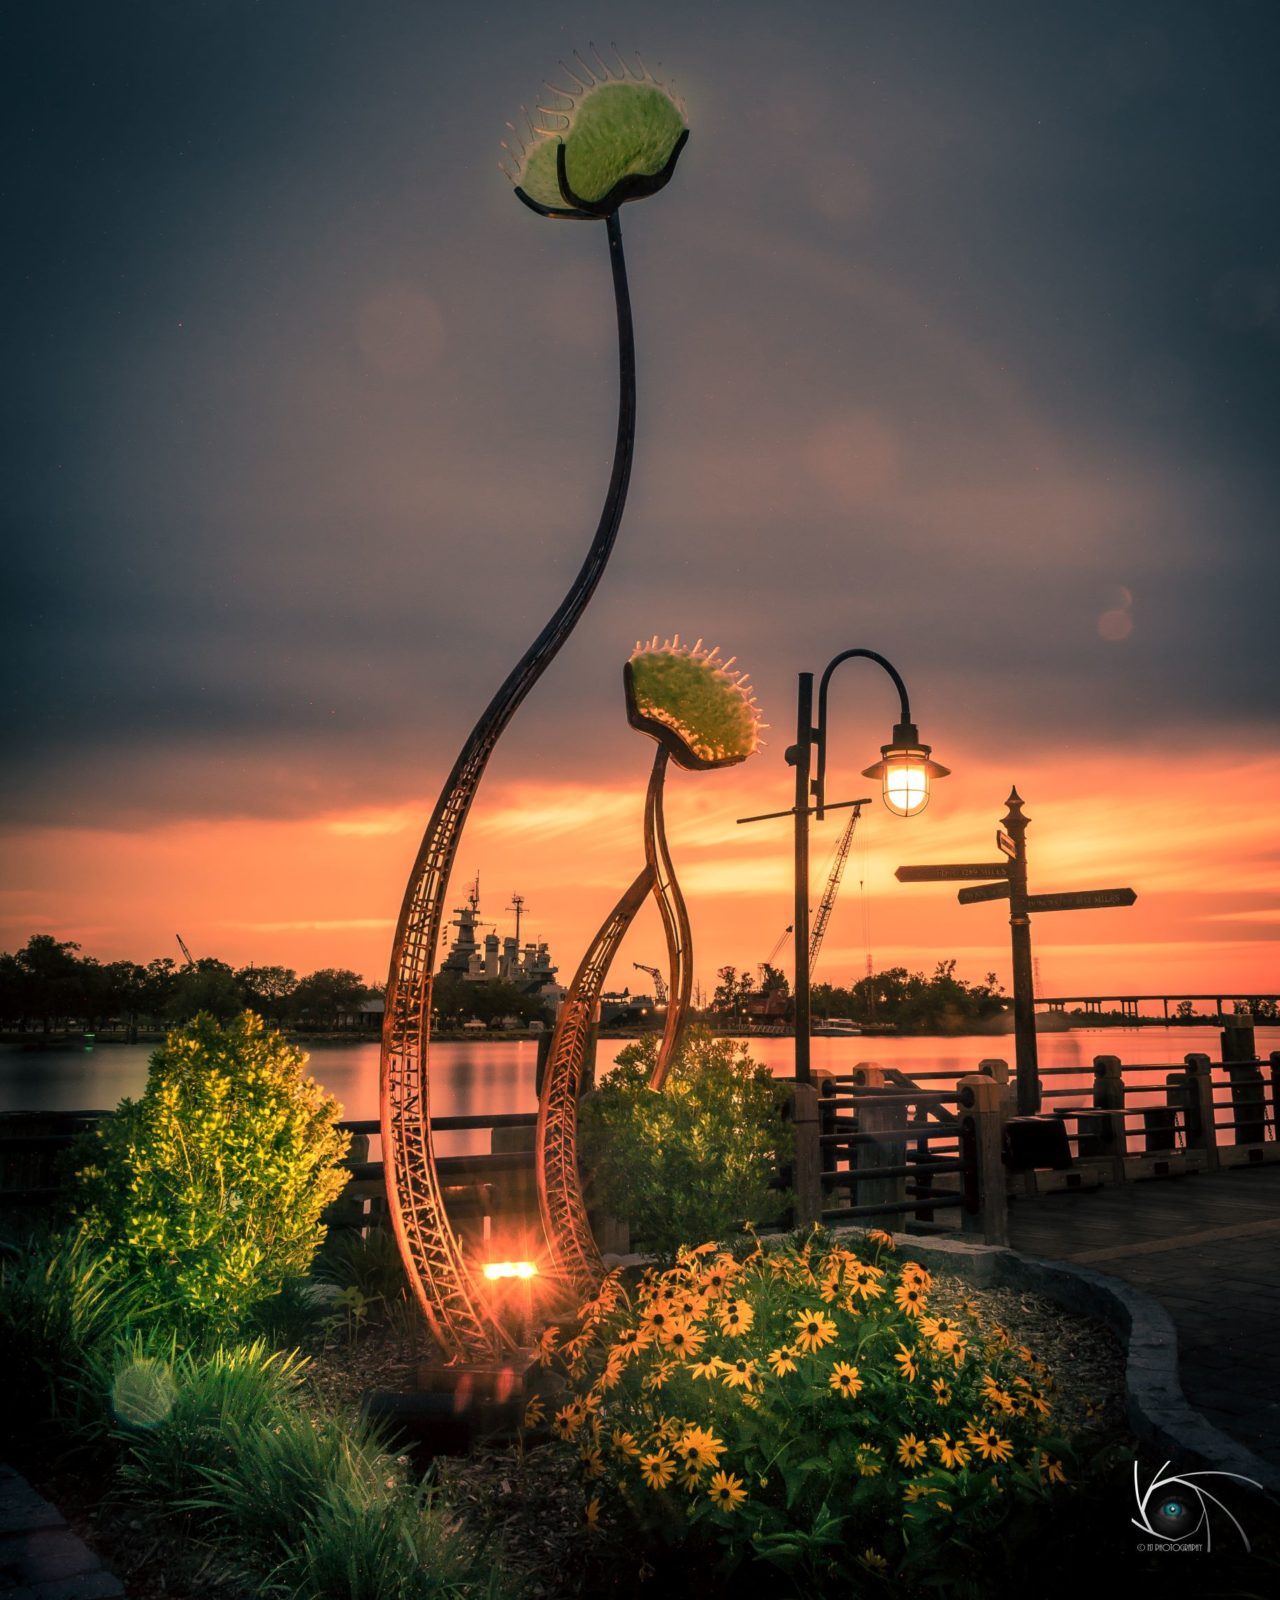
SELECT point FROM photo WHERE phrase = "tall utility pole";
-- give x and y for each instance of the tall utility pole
(802, 753)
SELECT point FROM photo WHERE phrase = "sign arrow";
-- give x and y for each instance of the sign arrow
(964, 869)
(1005, 843)
(983, 891)
(1081, 900)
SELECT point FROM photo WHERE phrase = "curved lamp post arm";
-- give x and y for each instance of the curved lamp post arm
(905, 724)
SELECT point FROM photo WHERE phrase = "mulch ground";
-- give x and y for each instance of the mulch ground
(528, 1496)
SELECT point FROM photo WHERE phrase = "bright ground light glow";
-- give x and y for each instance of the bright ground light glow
(510, 1269)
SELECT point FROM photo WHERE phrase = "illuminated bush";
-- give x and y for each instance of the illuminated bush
(816, 1408)
(209, 1189)
(696, 1156)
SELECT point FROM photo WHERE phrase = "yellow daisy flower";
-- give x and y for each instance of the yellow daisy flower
(913, 1272)
(865, 1282)
(910, 1298)
(624, 1442)
(706, 1369)
(950, 1453)
(682, 1339)
(735, 1318)
(880, 1237)
(911, 1451)
(941, 1332)
(658, 1377)
(813, 1330)
(782, 1361)
(844, 1380)
(592, 1513)
(535, 1413)
(941, 1392)
(906, 1359)
(658, 1469)
(868, 1462)
(727, 1491)
(739, 1374)
(547, 1343)
(699, 1449)
(987, 1442)
(592, 1461)
(568, 1420)
(656, 1316)
(1052, 1469)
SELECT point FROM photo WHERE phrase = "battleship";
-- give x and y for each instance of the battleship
(494, 960)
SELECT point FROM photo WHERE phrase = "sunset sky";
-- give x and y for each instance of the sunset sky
(958, 339)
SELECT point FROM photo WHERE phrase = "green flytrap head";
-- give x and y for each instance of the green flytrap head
(692, 703)
(614, 135)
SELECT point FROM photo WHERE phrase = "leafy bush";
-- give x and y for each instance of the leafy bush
(695, 1157)
(209, 1189)
(814, 1409)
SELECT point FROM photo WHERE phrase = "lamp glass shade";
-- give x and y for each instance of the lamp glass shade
(906, 771)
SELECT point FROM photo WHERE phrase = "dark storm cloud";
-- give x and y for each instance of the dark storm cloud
(955, 325)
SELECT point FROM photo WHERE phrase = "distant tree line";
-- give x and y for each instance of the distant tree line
(48, 985)
(907, 1001)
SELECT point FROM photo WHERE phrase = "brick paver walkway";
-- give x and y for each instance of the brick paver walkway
(40, 1557)
(1207, 1247)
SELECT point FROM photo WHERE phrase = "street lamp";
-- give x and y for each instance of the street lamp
(905, 768)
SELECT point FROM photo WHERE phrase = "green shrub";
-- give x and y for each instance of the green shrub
(817, 1409)
(209, 1189)
(695, 1158)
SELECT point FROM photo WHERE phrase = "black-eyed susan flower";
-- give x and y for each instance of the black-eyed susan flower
(911, 1451)
(865, 1282)
(988, 1443)
(844, 1380)
(592, 1460)
(873, 1561)
(709, 1368)
(906, 1359)
(909, 1298)
(535, 1413)
(727, 1491)
(624, 1442)
(1052, 1469)
(952, 1453)
(782, 1361)
(879, 1237)
(942, 1332)
(735, 1318)
(913, 1272)
(682, 1339)
(814, 1329)
(868, 1461)
(699, 1448)
(941, 1392)
(658, 1376)
(658, 1469)
(738, 1374)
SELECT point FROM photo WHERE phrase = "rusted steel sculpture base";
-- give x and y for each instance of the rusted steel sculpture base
(570, 1242)
(438, 1274)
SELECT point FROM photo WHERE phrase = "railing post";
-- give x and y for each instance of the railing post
(1200, 1119)
(808, 1161)
(997, 1069)
(881, 1153)
(1275, 1094)
(1108, 1095)
(981, 1142)
(1248, 1102)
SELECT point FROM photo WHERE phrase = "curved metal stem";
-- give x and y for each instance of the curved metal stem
(570, 1242)
(675, 922)
(437, 1272)
(820, 781)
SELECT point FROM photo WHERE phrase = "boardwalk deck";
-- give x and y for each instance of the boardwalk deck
(1207, 1247)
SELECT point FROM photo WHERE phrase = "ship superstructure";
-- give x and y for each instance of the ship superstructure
(490, 959)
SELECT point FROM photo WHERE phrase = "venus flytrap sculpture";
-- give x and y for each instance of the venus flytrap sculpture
(618, 134)
(703, 715)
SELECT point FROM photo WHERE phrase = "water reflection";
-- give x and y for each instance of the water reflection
(477, 1078)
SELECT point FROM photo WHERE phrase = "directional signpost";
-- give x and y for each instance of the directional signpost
(1011, 885)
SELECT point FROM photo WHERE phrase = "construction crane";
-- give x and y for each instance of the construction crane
(782, 939)
(191, 960)
(832, 889)
(659, 985)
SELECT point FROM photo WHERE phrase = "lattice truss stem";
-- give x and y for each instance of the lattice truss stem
(570, 1242)
(438, 1273)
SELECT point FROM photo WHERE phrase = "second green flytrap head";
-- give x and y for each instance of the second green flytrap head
(693, 703)
(621, 129)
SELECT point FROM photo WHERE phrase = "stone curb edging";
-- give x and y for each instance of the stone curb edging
(40, 1557)
(1158, 1411)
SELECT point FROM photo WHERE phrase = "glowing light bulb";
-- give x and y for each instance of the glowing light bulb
(906, 787)
(510, 1269)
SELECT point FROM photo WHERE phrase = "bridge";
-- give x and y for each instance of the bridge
(1096, 1004)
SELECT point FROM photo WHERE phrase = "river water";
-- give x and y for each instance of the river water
(470, 1077)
